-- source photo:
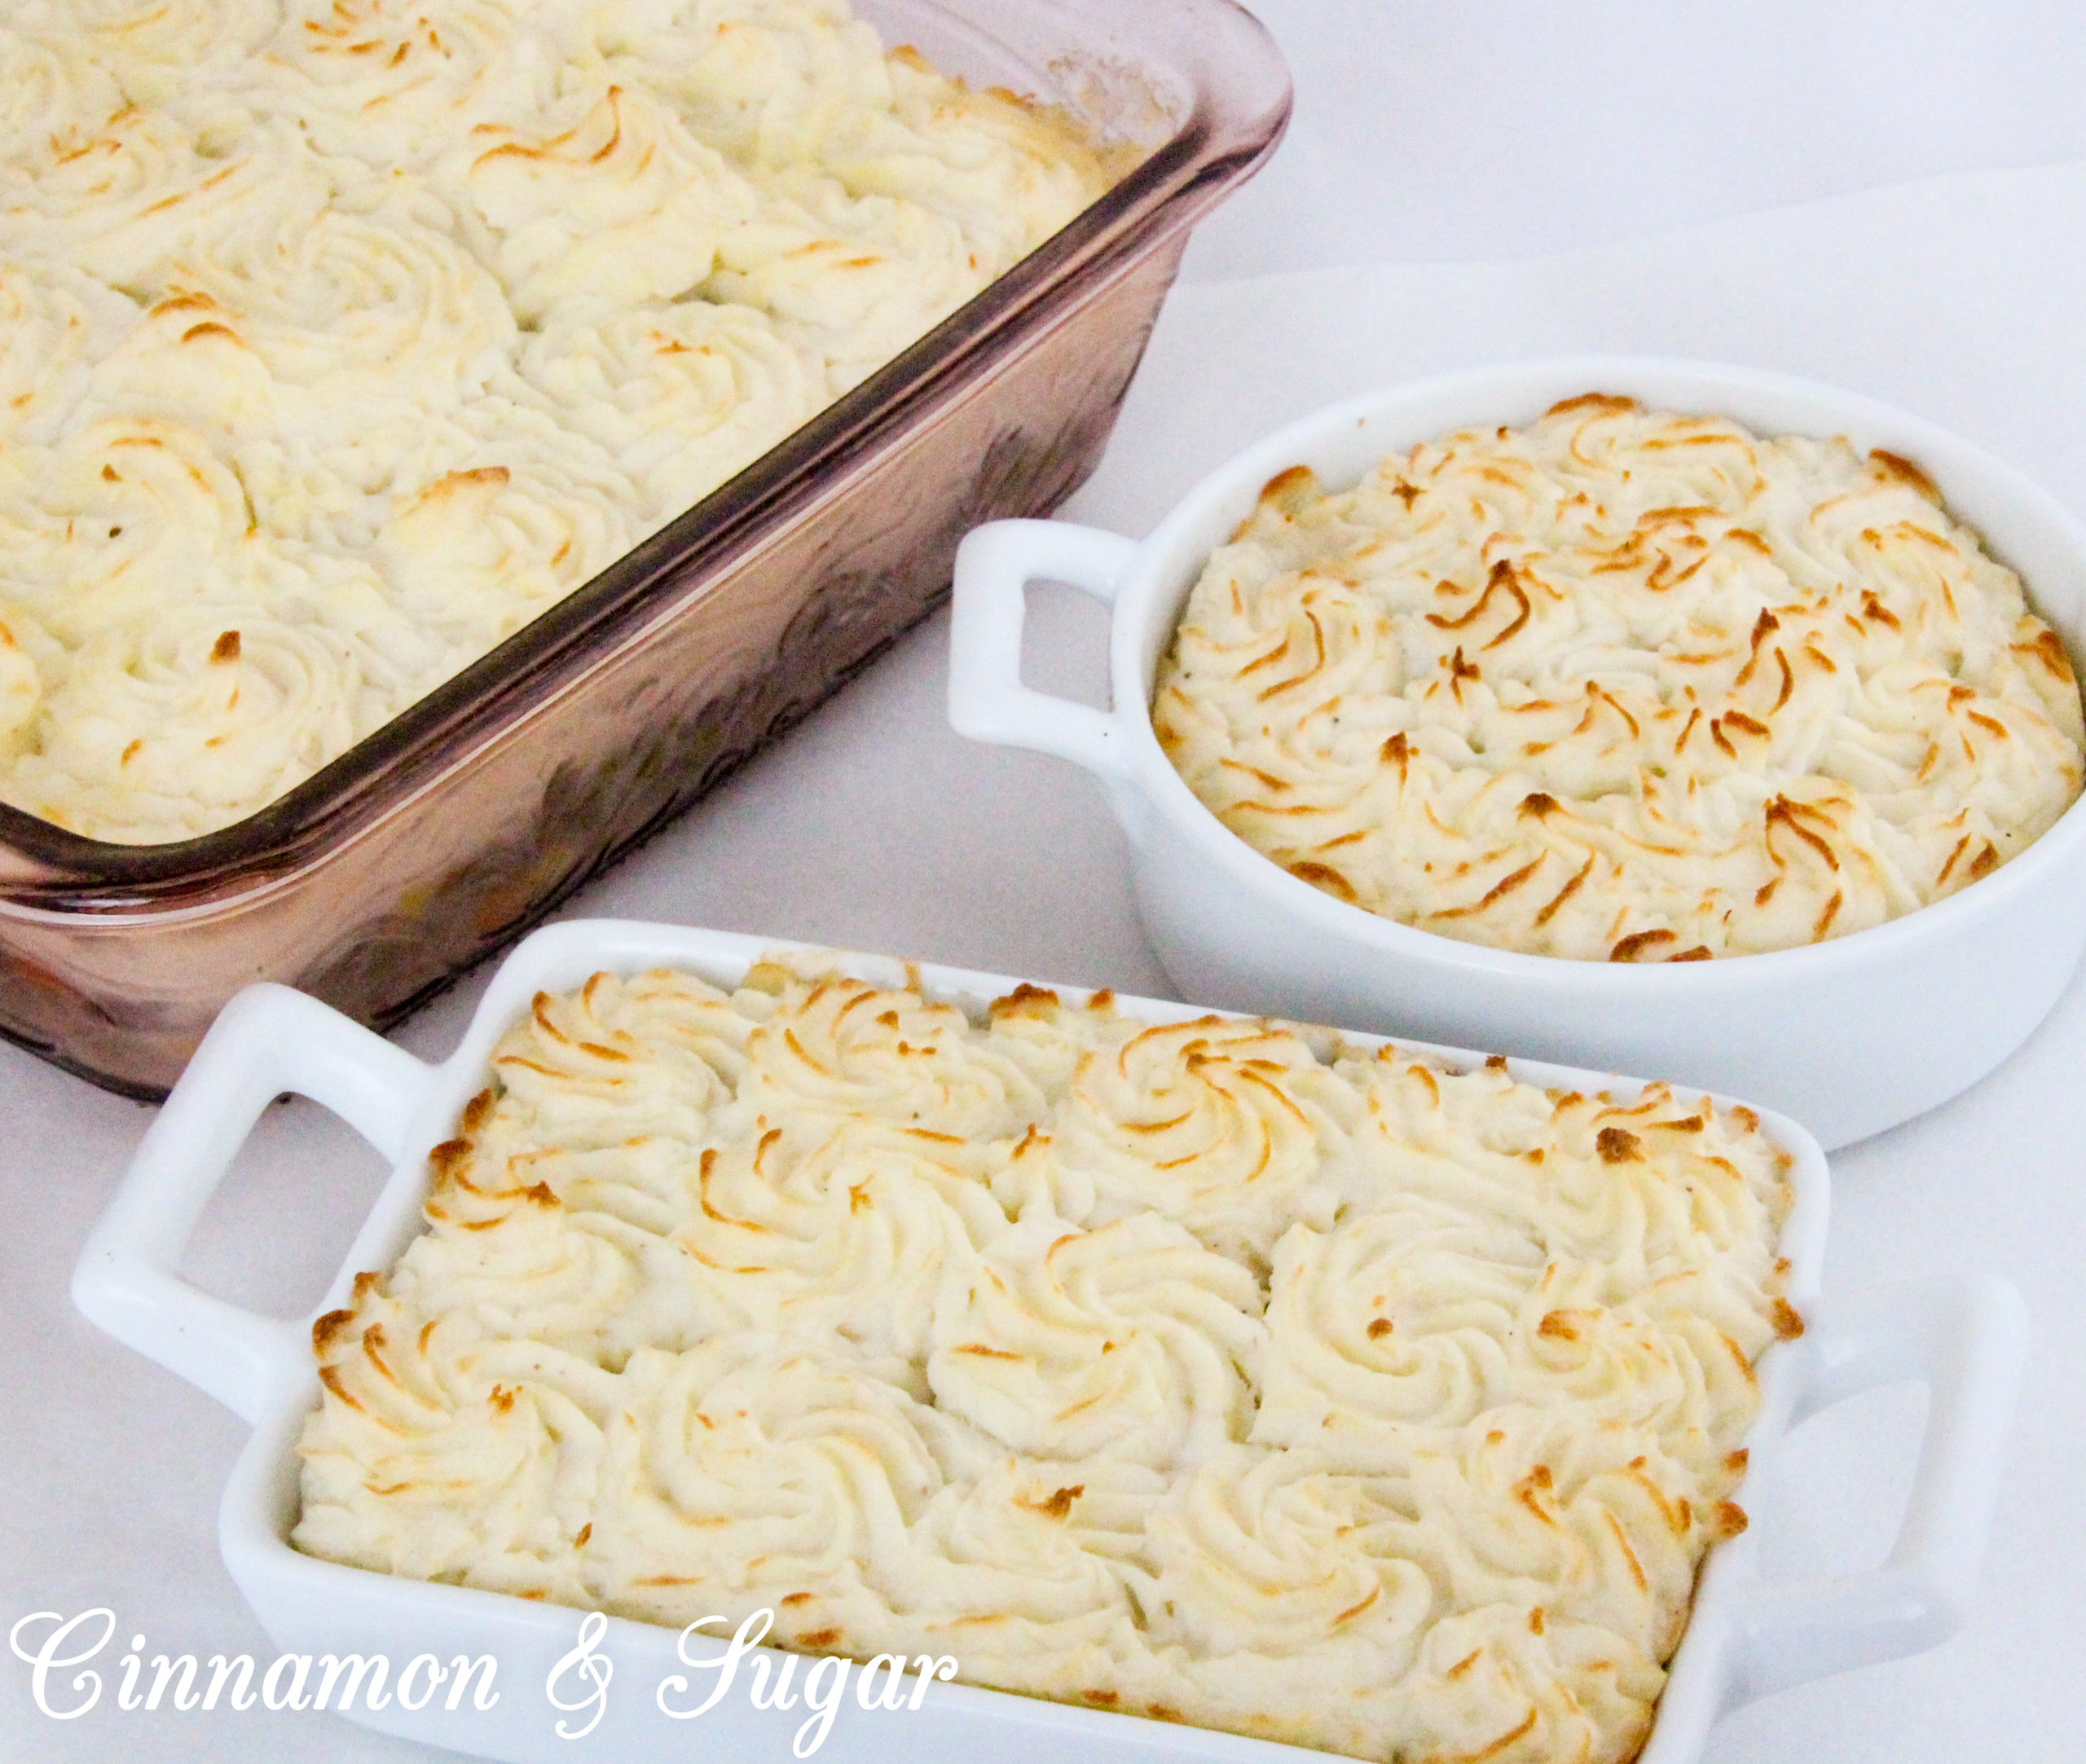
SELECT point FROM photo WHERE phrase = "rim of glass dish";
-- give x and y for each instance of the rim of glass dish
(1164, 193)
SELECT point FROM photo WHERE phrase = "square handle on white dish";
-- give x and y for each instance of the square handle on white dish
(987, 701)
(267, 1041)
(1967, 1342)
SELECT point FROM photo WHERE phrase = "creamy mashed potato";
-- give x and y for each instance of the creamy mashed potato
(1622, 685)
(339, 338)
(1213, 1371)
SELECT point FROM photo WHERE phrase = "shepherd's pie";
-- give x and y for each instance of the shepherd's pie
(1216, 1371)
(339, 338)
(1622, 685)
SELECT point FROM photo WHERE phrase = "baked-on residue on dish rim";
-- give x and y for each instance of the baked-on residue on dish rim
(1747, 1635)
(1851, 1035)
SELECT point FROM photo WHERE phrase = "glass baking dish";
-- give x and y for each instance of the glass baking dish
(450, 831)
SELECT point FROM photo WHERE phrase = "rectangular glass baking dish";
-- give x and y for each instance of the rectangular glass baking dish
(1749, 1633)
(441, 837)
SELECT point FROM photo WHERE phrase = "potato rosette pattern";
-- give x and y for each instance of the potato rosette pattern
(1622, 686)
(446, 305)
(1213, 1370)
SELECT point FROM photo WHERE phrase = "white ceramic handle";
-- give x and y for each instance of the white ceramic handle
(1967, 1343)
(987, 700)
(268, 1039)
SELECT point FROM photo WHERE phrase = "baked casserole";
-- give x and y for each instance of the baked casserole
(1215, 1371)
(1624, 685)
(340, 338)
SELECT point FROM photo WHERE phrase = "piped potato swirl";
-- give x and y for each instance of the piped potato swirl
(1212, 1370)
(1622, 685)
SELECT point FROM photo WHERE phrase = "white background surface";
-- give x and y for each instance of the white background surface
(1579, 178)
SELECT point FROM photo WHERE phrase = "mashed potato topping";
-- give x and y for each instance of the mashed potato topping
(339, 338)
(1622, 685)
(1217, 1370)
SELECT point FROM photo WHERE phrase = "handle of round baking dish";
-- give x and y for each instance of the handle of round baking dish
(1967, 1343)
(267, 1041)
(987, 701)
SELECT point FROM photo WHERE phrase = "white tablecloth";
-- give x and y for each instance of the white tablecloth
(1496, 134)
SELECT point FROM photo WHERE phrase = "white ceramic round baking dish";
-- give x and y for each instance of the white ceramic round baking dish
(1750, 1633)
(1850, 1037)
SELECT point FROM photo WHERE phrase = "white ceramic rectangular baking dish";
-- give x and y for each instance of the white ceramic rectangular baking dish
(1749, 1635)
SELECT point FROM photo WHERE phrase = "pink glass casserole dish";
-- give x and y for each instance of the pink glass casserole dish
(439, 838)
